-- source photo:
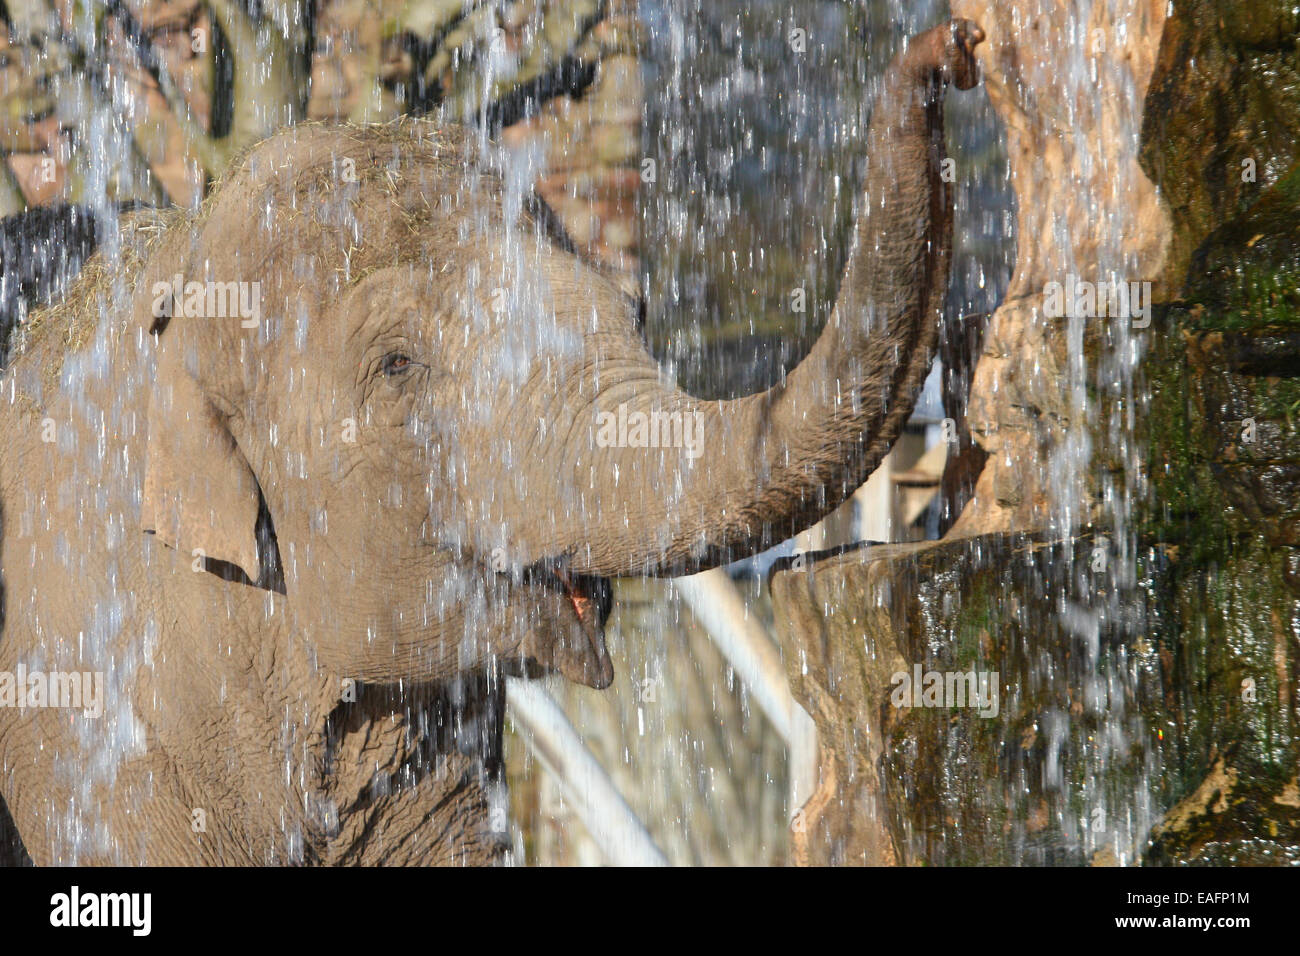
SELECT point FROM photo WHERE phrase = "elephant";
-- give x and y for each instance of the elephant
(297, 478)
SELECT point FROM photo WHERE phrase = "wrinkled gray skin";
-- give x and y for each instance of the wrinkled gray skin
(391, 482)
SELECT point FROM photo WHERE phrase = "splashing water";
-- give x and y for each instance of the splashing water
(755, 153)
(1098, 459)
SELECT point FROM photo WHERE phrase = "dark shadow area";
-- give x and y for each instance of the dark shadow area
(12, 851)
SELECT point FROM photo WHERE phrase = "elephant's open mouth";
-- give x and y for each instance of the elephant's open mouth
(578, 652)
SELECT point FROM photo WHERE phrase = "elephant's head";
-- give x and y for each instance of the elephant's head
(443, 420)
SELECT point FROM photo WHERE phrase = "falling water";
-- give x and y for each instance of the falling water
(751, 158)
(1098, 459)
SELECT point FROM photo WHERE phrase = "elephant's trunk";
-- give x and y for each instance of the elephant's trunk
(768, 465)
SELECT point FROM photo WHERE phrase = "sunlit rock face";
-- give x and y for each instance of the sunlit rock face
(1069, 90)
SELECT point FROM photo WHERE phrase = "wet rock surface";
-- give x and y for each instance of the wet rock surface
(1222, 116)
(1067, 86)
(1225, 450)
(1149, 710)
(1113, 704)
(1027, 749)
(1240, 318)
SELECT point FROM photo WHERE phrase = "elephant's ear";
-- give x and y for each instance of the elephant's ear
(199, 492)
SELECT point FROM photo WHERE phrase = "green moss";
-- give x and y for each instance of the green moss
(1246, 274)
(1243, 815)
(1221, 121)
(1035, 782)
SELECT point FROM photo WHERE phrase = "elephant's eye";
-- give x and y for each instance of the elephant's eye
(395, 363)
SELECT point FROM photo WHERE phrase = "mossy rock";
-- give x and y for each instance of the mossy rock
(1221, 122)
(1238, 816)
(1053, 774)
(1246, 274)
(1115, 700)
(1225, 377)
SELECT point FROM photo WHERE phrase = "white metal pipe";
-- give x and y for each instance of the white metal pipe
(616, 830)
(743, 641)
(718, 606)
